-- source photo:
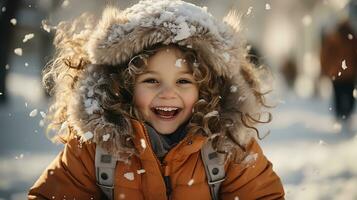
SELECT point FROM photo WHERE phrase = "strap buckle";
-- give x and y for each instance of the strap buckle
(217, 181)
(109, 187)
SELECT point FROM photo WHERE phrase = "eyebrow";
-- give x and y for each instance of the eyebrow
(154, 72)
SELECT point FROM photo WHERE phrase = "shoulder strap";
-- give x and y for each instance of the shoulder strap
(105, 170)
(214, 167)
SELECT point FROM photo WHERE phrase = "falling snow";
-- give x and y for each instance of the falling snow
(344, 66)
(7, 66)
(355, 93)
(252, 157)
(26, 64)
(3, 9)
(43, 114)
(236, 198)
(350, 36)
(249, 10)
(140, 171)
(41, 123)
(18, 51)
(87, 136)
(233, 88)
(339, 74)
(306, 20)
(121, 196)
(65, 4)
(178, 62)
(190, 182)
(106, 137)
(45, 26)
(321, 142)
(129, 176)
(13, 21)
(337, 127)
(91, 106)
(267, 6)
(21, 156)
(143, 143)
(33, 113)
(28, 37)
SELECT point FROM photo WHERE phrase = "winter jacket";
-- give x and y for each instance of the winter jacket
(72, 174)
(113, 41)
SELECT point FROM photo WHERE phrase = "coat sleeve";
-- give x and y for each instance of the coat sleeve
(254, 178)
(71, 175)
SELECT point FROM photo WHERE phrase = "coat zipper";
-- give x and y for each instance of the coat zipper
(162, 165)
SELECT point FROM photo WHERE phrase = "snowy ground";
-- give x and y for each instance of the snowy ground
(314, 160)
(315, 156)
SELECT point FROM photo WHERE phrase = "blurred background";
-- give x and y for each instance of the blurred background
(309, 46)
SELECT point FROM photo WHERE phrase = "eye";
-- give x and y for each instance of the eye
(150, 80)
(184, 81)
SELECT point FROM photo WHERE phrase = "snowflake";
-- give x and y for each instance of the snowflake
(18, 51)
(178, 62)
(344, 66)
(65, 3)
(252, 157)
(106, 137)
(45, 26)
(233, 88)
(43, 114)
(249, 10)
(267, 6)
(33, 113)
(87, 136)
(190, 182)
(306, 20)
(143, 143)
(28, 37)
(129, 176)
(350, 36)
(13, 21)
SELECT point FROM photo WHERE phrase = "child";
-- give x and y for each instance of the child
(153, 87)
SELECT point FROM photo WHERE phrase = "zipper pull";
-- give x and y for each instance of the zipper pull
(168, 186)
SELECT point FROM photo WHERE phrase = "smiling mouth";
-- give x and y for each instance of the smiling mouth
(166, 112)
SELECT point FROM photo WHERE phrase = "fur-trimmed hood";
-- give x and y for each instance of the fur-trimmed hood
(119, 35)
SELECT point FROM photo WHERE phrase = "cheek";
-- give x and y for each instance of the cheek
(191, 98)
(142, 98)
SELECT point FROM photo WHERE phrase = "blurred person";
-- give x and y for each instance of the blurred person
(338, 59)
(289, 71)
(141, 95)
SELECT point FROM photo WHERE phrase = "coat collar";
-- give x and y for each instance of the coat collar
(189, 145)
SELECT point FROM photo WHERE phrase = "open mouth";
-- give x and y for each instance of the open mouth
(166, 112)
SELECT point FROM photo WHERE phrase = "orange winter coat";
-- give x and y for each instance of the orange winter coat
(72, 174)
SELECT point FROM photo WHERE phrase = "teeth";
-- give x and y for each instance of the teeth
(166, 108)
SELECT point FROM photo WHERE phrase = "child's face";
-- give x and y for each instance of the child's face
(166, 92)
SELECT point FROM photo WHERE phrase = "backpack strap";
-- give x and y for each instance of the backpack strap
(105, 170)
(214, 167)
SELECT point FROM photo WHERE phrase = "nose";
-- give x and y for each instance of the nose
(167, 92)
